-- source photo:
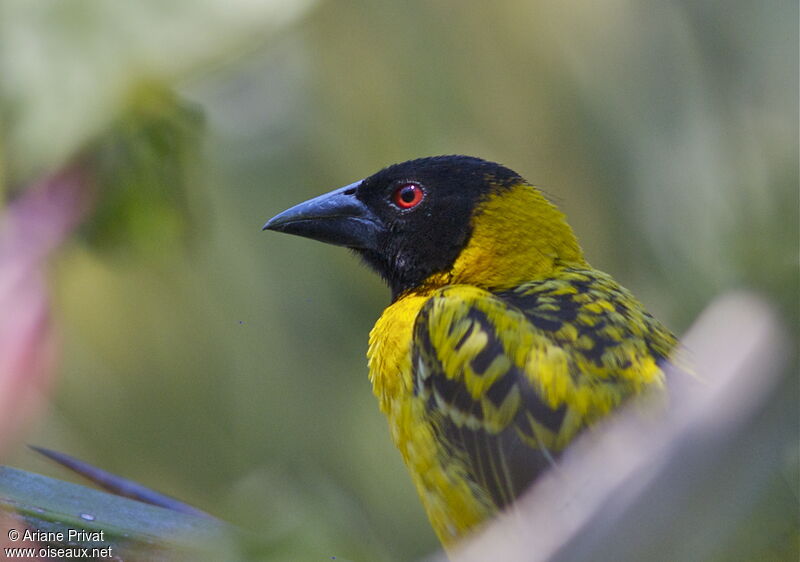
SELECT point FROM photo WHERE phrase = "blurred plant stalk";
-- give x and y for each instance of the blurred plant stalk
(32, 227)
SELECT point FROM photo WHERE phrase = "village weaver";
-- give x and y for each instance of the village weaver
(501, 343)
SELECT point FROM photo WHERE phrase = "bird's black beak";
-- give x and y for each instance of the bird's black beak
(338, 217)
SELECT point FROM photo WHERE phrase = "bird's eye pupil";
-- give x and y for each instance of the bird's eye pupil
(407, 195)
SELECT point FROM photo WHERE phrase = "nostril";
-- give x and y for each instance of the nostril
(351, 191)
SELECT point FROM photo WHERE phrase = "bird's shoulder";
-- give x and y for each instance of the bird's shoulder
(578, 316)
(601, 324)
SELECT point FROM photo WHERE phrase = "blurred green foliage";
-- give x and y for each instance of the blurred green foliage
(145, 169)
(231, 373)
(69, 67)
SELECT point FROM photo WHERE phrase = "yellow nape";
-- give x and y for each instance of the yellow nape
(517, 236)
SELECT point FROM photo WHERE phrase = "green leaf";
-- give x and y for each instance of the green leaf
(133, 530)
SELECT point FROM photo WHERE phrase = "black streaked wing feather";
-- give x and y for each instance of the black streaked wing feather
(581, 328)
(495, 448)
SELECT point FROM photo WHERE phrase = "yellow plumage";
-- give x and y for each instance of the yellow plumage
(548, 270)
(501, 344)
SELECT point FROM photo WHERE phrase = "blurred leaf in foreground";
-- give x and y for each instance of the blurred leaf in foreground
(150, 526)
(133, 530)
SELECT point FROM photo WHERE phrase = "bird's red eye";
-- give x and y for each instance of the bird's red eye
(408, 195)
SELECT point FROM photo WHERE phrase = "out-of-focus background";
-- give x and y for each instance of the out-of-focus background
(143, 145)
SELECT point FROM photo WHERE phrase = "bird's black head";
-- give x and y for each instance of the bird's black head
(408, 221)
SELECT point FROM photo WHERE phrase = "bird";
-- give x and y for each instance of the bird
(501, 343)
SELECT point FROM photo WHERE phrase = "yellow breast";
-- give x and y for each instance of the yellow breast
(452, 504)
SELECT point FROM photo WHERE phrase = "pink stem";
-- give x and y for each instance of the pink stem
(31, 227)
